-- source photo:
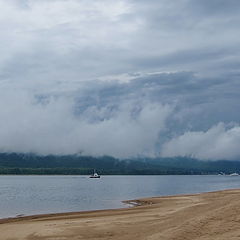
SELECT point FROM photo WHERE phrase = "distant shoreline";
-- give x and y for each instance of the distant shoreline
(211, 215)
(31, 164)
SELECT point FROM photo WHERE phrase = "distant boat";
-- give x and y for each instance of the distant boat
(95, 175)
(234, 174)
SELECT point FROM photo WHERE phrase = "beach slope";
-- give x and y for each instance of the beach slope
(209, 216)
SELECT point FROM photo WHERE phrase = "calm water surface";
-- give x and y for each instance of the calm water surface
(27, 195)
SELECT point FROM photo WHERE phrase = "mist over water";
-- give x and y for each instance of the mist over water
(28, 195)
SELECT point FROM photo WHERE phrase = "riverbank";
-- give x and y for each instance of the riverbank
(214, 215)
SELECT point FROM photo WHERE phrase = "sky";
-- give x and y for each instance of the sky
(125, 78)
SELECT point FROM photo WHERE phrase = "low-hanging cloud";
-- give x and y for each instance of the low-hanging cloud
(148, 115)
(218, 143)
(52, 126)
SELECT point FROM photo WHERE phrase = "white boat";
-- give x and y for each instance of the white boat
(234, 174)
(95, 175)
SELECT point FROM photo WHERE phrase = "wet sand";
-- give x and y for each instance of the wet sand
(202, 216)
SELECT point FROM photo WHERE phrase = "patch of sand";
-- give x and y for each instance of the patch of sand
(203, 216)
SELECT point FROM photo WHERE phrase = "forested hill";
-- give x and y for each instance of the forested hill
(15, 163)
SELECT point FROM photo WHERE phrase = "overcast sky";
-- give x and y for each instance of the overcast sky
(125, 78)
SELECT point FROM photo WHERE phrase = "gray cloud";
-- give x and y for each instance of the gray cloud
(123, 78)
(141, 117)
(51, 125)
(219, 142)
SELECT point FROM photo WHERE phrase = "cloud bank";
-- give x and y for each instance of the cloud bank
(52, 127)
(217, 143)
(124, 78)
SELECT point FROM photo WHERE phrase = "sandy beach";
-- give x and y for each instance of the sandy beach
(214, 215)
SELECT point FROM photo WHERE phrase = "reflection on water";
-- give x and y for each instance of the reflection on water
(29, 195)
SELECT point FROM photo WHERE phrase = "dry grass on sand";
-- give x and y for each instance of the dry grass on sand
(208, 216)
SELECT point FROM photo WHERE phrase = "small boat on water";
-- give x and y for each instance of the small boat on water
(95, 175)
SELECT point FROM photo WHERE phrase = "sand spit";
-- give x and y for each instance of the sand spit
(214, 215)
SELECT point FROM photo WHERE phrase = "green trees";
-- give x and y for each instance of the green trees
(14, 163)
